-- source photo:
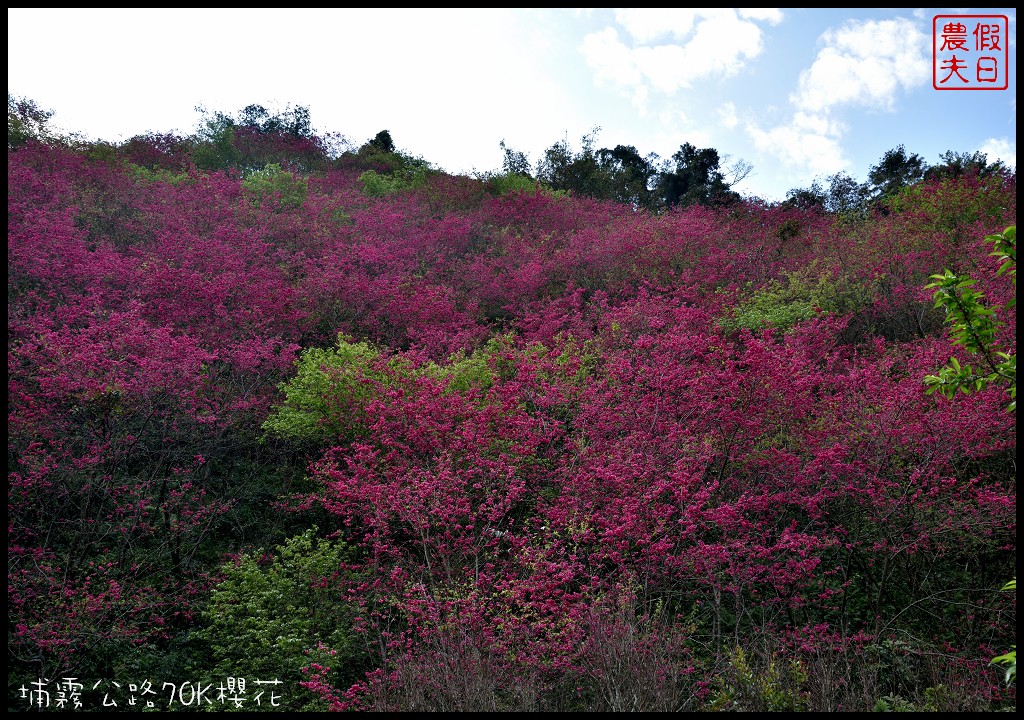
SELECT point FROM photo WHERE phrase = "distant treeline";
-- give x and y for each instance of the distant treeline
(256, 136)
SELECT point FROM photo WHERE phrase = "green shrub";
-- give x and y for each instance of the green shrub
(284, 190)
(378, 185)
(510, 183)
(147, 175)
(409, 173)
(325, 399)
(800, 296)
(268, 620)
(776, 687)
(935, 699)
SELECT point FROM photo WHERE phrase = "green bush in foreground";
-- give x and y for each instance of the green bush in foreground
(271, 616)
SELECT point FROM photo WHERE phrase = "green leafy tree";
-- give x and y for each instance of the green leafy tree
(843, 196)
(510, 182)
(579, 173)
(694, 176)
(631, 175)
(388, 170)
(25, 121)
(896, 170)
(799, 296)
(377, 184)
(847, 198)
(382, 141)
(295, 122)
(974, 325)
(408, 174)
(963, 164)
(215, 143)
(620, 174)
(256, 138)
(515, 162)
(326, 398)
(273, 614)
(810, 198)
(284, 190)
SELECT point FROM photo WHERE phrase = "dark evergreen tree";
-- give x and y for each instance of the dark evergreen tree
(630, 175)
(896, 170)
(960, 164)
(694, 177)
(515, 162)
(382, 141)
(25, 121)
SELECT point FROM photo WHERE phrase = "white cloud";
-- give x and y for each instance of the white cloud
(727, 115)
(639, 102)
(673, 117)
(770, 15)
(700, 43)
(665, 67)
(810, 143)
(648, 24)
(1000, 149)
(610, 59)
(865, 63)
(724, 42)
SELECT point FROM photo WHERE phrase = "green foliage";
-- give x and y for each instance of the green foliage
(1009, 659)
(326, 398)
(382, 141)
(257, 138)
(893, 703)
(26, 121)
(101, 151)
(895, 171)
(295, 122)
(496, 360)
(386, 170)
(215, 144)
(847, 198)
(935, 698)
(580, 173)
(960, 164)
(810, 198)
(618, 174)
(515, 162)
(285, 191)
(775, 305)
(802, 296)
(146, 175)
(407, 173)
(694, 177)
(630, 175)
(778, 687)
(844, 197)
(478, 370)
(268, 620)
(954, 204)
(973, 324)
(377, 185)
(511, 182)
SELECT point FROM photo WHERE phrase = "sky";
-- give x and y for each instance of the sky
(798, 94)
